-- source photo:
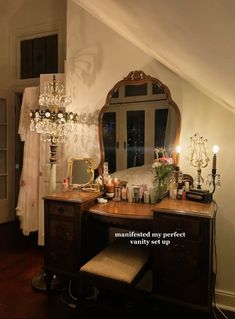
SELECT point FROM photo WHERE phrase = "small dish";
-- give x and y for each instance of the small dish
(102, 200)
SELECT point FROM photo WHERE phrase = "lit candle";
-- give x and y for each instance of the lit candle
(109, 187)
(116, 182)
(178, 150)
(215, 151)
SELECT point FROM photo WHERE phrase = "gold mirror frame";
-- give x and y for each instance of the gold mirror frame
(136, 78)
(86, 174)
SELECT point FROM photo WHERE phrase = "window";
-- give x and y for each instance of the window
(136, 90)
(38, 56)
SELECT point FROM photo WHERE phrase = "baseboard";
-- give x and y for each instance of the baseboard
(225, 299)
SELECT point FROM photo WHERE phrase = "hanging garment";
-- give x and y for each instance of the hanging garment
(28, 200)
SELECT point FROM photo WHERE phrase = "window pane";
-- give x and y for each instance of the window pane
(2, 111)
(136, 90)
(109, 138)
(52, 54)
(26, 59)
(160, 127)
(156, 89)
(3, 187)
(2, 136)
(135, 138)
(2, 162)
(39, 58)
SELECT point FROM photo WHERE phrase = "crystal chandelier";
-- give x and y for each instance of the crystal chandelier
(51, 119)
(53, 122)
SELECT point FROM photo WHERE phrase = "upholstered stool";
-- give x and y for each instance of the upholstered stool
(117, 267)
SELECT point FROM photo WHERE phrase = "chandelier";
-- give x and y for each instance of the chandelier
(53, 122)
(51, 119)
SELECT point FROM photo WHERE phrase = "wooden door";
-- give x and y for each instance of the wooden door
(7, 163)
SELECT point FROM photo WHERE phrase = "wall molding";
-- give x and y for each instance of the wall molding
(225, 299)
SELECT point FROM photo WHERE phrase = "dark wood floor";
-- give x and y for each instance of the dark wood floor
(19, 262)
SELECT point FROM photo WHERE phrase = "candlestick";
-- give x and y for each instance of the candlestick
(213, 179)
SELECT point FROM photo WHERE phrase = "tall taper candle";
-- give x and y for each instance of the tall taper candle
(178, 150)
(215, 151)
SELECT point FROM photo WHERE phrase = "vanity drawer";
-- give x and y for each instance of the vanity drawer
(61, 210)
(191, 226)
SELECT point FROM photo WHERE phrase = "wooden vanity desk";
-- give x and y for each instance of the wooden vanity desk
(76, 228)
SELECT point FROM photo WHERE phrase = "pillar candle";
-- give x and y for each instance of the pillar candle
(109, 187)
(116, 182)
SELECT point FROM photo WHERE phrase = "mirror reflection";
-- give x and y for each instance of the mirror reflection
(139, 116)
(80, 172)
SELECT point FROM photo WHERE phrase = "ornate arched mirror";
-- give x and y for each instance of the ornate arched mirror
(138, 116)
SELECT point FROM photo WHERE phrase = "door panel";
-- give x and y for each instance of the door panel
(7, 212)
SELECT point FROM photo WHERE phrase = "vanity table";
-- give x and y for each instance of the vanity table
(76, 228)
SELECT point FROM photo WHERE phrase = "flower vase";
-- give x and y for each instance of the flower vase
(161, 189)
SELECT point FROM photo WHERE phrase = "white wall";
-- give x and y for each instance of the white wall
(97, 58)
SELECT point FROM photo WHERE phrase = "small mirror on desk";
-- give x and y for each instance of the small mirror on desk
(81, 174)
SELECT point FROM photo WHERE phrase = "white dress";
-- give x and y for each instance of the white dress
(28, 201)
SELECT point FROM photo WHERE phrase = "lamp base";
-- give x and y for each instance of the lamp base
(198, 195)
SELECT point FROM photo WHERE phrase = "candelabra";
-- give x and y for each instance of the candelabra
(199, 156)
(213, 179)
(53, 122)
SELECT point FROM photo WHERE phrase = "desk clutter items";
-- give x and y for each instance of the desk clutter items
(167, 180)
(118, 190)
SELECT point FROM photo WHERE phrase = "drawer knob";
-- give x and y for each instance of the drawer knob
(61, 210)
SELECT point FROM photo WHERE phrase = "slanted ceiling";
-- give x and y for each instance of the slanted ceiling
(193, 38)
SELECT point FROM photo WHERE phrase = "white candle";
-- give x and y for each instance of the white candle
(116, 182)
(178, 151)
(215, 151)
